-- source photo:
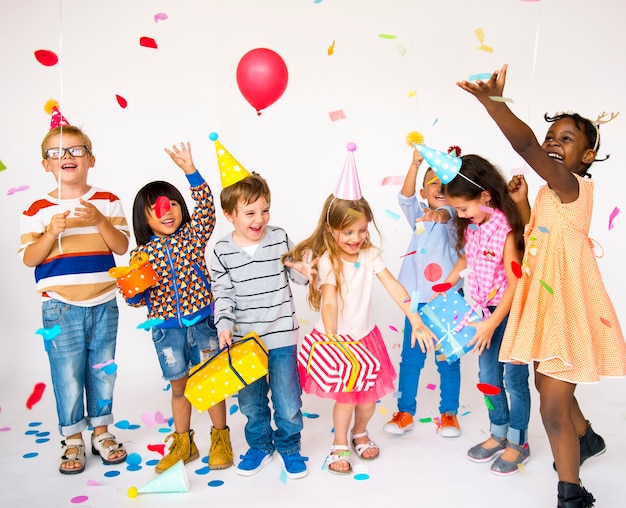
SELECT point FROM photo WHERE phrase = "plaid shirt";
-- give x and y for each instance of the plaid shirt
(484, 255)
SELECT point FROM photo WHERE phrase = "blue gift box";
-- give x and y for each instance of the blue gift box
(447, 316)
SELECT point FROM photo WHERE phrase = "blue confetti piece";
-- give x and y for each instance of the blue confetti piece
(361, 476)
(473, 227)
(104, 403)
(111, 368)
(133, 459)
(357, 264)
(31, 432)
(466, 413)
(436, 120)
(415, 300)
(203, 470)
(215, 483)
(30, 455)
(205, 459)
(34, 424)
(49, 333)
(152, 462)
(393, 215)
(111, 474)
(146, 325)
(134, 468)
(310, 415)
(423, 251)
(480, 76)
(191, 322)
(166, 389)
(170, 421)
(233, 409)
(165, 430)
(42, 440)
(543, 229)
(122, 424)
(283, 476)
(43, 434)
(133, 426)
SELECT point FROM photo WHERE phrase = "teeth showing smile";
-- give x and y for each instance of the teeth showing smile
(555, 156)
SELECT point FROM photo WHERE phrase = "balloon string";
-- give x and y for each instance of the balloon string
(60, 111)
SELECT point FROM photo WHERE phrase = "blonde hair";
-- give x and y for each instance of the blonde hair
(337, 214)
(67, 129)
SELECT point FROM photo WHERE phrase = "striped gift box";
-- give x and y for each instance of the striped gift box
(338, 363)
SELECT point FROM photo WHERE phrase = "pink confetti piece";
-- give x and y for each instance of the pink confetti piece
(103, 364)
(612, 216)
(393, 328)
(524, 170)
(160, 16)
(5, 429)
(79, 499)
(159, 418)
(148, 419)
(605, 322)
(93, 483)
(393, 180)
(337, 115)
(486, 209)
(431, 386)
(13, 190)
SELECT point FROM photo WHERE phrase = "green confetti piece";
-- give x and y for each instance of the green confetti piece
(389, 36)
(547, 286)
(2, 166)
(488, 403)
(425, 420)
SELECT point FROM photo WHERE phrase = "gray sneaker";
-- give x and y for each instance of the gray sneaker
(503, 467)
(479, 453)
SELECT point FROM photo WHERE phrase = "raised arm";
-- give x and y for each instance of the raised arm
(521, 137)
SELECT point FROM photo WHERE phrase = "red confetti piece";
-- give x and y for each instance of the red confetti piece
(148, 42)
(159, 448)
(605, 322)
(517, 269)
(121, 101)
(441, 288)
(46, 57)
(36, 395)
(162, 205)
(488, 389)
(409, 254)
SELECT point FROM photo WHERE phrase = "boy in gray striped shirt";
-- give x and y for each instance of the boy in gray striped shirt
(252, 294)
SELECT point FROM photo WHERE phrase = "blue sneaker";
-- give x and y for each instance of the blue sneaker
(253, 461)
(294, 465)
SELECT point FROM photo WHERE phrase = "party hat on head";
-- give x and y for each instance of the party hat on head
(348, 186)
(173, 479)
(445, 165)
(56, 118)
(231, 171)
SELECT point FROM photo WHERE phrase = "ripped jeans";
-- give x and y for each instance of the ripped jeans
(179, 349)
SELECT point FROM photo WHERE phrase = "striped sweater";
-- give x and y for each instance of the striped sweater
(78, 272)
(252, 293)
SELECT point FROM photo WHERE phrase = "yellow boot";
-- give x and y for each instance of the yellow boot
(182, 448)
(221, 452)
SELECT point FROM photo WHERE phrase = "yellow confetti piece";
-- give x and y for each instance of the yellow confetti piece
(304, 322)
(354, 213)
(401, 49)
(412, 93)
(492, 294)
(383, 410)
(547, 286)
(520, 468)
(2, 166)
(419, 228)
(331, 48)
(480, 34)
(497, 98)
(432, 180)
(484, 47)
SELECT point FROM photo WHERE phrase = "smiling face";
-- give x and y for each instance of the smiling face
(69, 171)
(350, 239)
(168, 223)
(432, 191)
(568, 145)
(249, 221)
(474, 210)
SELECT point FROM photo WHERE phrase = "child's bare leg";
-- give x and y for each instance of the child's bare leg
(342, 416)
(557, 407)
(362, 415)
(181, 407)
(218, 415)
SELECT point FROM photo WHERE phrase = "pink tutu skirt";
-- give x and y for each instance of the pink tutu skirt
(384, 383)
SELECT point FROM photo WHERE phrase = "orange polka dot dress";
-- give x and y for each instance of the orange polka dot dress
(562, 316)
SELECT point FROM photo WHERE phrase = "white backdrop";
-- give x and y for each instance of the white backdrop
(563, 55)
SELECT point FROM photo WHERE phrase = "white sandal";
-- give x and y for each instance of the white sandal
(79, 456)
(98, 448)
(343, 455)
(362, 447)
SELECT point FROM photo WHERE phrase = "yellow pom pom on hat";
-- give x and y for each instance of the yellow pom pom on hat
(56, 118)
(231, 171)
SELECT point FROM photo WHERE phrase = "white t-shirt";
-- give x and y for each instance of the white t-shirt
(355, 307)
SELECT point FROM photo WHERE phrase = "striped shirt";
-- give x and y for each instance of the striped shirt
(252, 292)
(77, 273)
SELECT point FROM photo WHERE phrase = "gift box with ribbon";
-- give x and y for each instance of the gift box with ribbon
(226, 373)
(447, 316)
(137, 277)
(338, 363)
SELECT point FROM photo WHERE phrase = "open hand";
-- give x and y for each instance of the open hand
(305, 267)
(483, 90)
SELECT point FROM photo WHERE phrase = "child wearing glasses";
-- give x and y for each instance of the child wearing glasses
(69, 237)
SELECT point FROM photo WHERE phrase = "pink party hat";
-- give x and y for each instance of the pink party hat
(446, 166)
(348, 186)
(56, 118)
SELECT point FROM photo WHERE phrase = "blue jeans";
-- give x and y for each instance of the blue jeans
(507, 421)
(179, 349)
(284, 384)
(411, 364)
(87, 338)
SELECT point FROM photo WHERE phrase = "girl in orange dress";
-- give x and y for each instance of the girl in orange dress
(562, 318)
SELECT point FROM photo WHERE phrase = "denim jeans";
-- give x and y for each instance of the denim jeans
(284, 384)
(87, 338)
(507, 420)
(411, 363)
(179, 349)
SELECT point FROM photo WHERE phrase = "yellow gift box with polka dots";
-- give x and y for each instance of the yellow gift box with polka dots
(226, 373)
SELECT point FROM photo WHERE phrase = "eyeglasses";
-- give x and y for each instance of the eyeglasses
(59, 153)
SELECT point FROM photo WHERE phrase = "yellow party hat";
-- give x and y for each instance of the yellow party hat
(231, 171)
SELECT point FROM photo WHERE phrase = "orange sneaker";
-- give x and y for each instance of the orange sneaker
(400, 423)
(449, 426)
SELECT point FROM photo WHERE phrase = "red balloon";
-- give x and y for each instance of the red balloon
(262, 77)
